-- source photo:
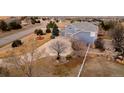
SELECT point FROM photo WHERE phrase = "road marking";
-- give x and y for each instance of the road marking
(81, 68)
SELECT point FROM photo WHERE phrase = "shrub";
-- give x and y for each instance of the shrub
(4, 71)
(15, 25)
(35, 31)
(35, 17)
(3, 25)
(99, 44)
(79, 20)
(68, 57)
(39, 32)
(33, 21)
(117, 34)
(106, 25)
(16, 43)
(51, 25)
(38, 21)
(72, 21)
(57, 20)
(48, 30)
(78, 45)
(43, 18)
(52, 36)
(8, 29)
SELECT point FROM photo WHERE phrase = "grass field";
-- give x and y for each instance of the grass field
(49, 67)
(7, 50)
(101, 67)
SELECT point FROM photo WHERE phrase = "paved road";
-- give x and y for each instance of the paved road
(10, 38)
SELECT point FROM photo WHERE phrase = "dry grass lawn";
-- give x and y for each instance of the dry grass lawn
(101, 67)
(50, 68)
(29, 42)
(94, 67)
(6, 51)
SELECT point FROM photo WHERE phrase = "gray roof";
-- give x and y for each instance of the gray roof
(83, 26)
(84, 31)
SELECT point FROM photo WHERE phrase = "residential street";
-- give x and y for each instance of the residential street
(10, 38)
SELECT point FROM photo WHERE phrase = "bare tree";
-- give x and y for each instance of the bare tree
(99, 44)
(118, 38)
(25, 61)
(79, 47)
(59, 46)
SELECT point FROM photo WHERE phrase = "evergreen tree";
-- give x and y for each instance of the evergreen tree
(55, 31)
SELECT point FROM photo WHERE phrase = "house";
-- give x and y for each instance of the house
(84, 31)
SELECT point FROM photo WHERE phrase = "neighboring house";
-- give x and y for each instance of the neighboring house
(84, 31)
